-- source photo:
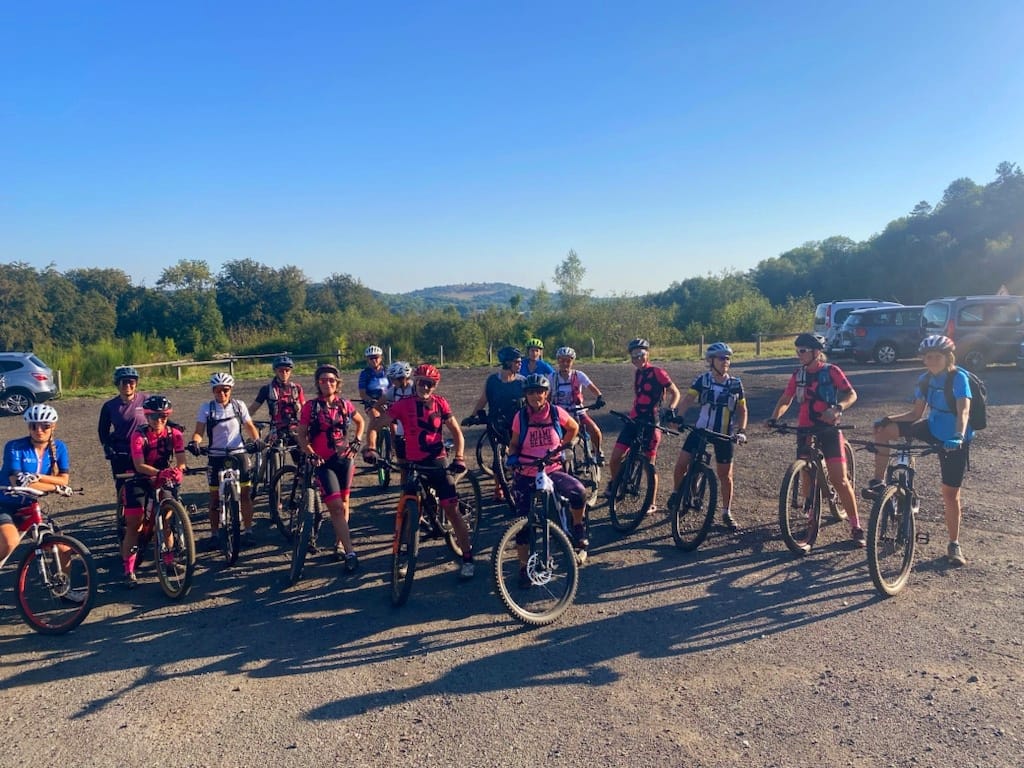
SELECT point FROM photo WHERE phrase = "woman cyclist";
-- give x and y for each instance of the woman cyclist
(400, 386)
(567, 387)
(652, 386)
(38, 461)
(323, 435)
(534, 359)
(424, 417)
(120, 416)
(723, 409)
(158, 455)
(944, 427)
(824, 393)
(284, 398)
(373, 380)
(503, 396)
(227, 424)
(539, 428)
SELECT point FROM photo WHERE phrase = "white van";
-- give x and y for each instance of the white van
(829, 317)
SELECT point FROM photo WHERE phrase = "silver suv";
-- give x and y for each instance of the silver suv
(26, 380)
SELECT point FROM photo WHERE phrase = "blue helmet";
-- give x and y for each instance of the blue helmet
(718, 349)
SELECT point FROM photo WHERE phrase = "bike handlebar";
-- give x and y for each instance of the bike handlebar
(627, 418)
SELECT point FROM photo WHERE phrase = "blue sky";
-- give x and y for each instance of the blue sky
(419, 144)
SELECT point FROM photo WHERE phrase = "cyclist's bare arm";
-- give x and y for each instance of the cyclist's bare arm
(458, 441)
(780, 407)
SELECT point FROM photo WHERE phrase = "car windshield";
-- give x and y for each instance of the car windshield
(935, 316)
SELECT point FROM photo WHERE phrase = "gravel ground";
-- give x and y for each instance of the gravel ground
(735, 654)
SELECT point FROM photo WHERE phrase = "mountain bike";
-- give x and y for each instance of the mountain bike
(303, 504)
(805, 488)
(491, 453)
(170, 531)
(694, 502)
(892, 527)
(579, 457)
(272, 461)
(229, 507)
(55, 585)
(419, 516)
(631, 493)
(536, 568)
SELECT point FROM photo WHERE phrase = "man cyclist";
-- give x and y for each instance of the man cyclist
(227, 424)
(534, 359)
(284, 399)
(119, 418)
(723, 409)
(652, 386)
(503, 396)
(158, 455)
(948, 428)
(824, 394)
(423, 418)
(537, 429)
(567, 387)
(323, 435)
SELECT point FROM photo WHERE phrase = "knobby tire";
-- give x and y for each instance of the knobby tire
(175, 577)
(405, 549)
(62, 604)
(632, 493)
(892, 536)
(800, 525)
(692, 521)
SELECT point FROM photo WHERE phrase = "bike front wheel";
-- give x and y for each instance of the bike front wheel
(632, 493)
(404, 550)
(305, 535)
(384, 450)
(892, 535)
(695, 515)
(175, 549)
(231, 529)
(538, 592)
(284, 498)
(56, 585)
(800, 506)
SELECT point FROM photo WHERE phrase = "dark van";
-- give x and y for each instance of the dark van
(985, 329)
(883, 335)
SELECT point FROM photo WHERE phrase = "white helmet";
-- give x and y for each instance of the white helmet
(40, 412)
(373, 351)
(221, 379)
(565, 352)
(399, 370)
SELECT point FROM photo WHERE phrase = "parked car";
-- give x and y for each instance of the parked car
(27, 380)
(883, 335)
(829, 317)
(986, 329)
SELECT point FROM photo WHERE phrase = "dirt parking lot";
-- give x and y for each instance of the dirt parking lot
(737, 654)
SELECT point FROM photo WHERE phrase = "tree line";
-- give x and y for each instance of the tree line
(971, 241)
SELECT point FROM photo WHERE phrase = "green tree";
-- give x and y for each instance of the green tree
(24, 318)
(569, 279)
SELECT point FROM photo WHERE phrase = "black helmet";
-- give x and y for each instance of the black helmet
(123, 372)
(636, 344)
(508, 355)
(810, 341)
(283, 362)
(157, 404)
(536, 381)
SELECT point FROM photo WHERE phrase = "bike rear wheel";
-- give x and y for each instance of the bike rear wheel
(56, 584)
(632, 493)
(470, 502)
(585, 470)
(692, 521)
(404, 551)
(800, 506)
(552, 581)
(231, 531)
(284, 497)
(176, 559)
(892, 536)
(305, 535)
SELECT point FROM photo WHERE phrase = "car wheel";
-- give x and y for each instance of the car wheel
(975, 360)
(885, 353)
(17, 401)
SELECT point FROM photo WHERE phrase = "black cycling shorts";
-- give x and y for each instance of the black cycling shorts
(952, 464)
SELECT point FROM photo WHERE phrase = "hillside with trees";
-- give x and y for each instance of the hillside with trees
(86, 321)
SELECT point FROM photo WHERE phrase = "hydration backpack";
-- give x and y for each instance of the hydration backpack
(826, 390)
(977, 418)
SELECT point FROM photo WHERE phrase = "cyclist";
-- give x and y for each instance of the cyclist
(539, 428)
(534, 359)
(227, 423)
(284, 399)
(824, 393)
(424, 417)
(567, 388)
(400, 386)
(119, 418)
(723, 409)
(38, 461)
(652, 386)
(322, 434)
(949, 429)
(373, 380)
(158, 454)
(503, 396)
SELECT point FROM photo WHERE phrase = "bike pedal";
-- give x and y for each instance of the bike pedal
(923, 537)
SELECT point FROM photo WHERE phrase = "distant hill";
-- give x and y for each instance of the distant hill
(466, 298)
